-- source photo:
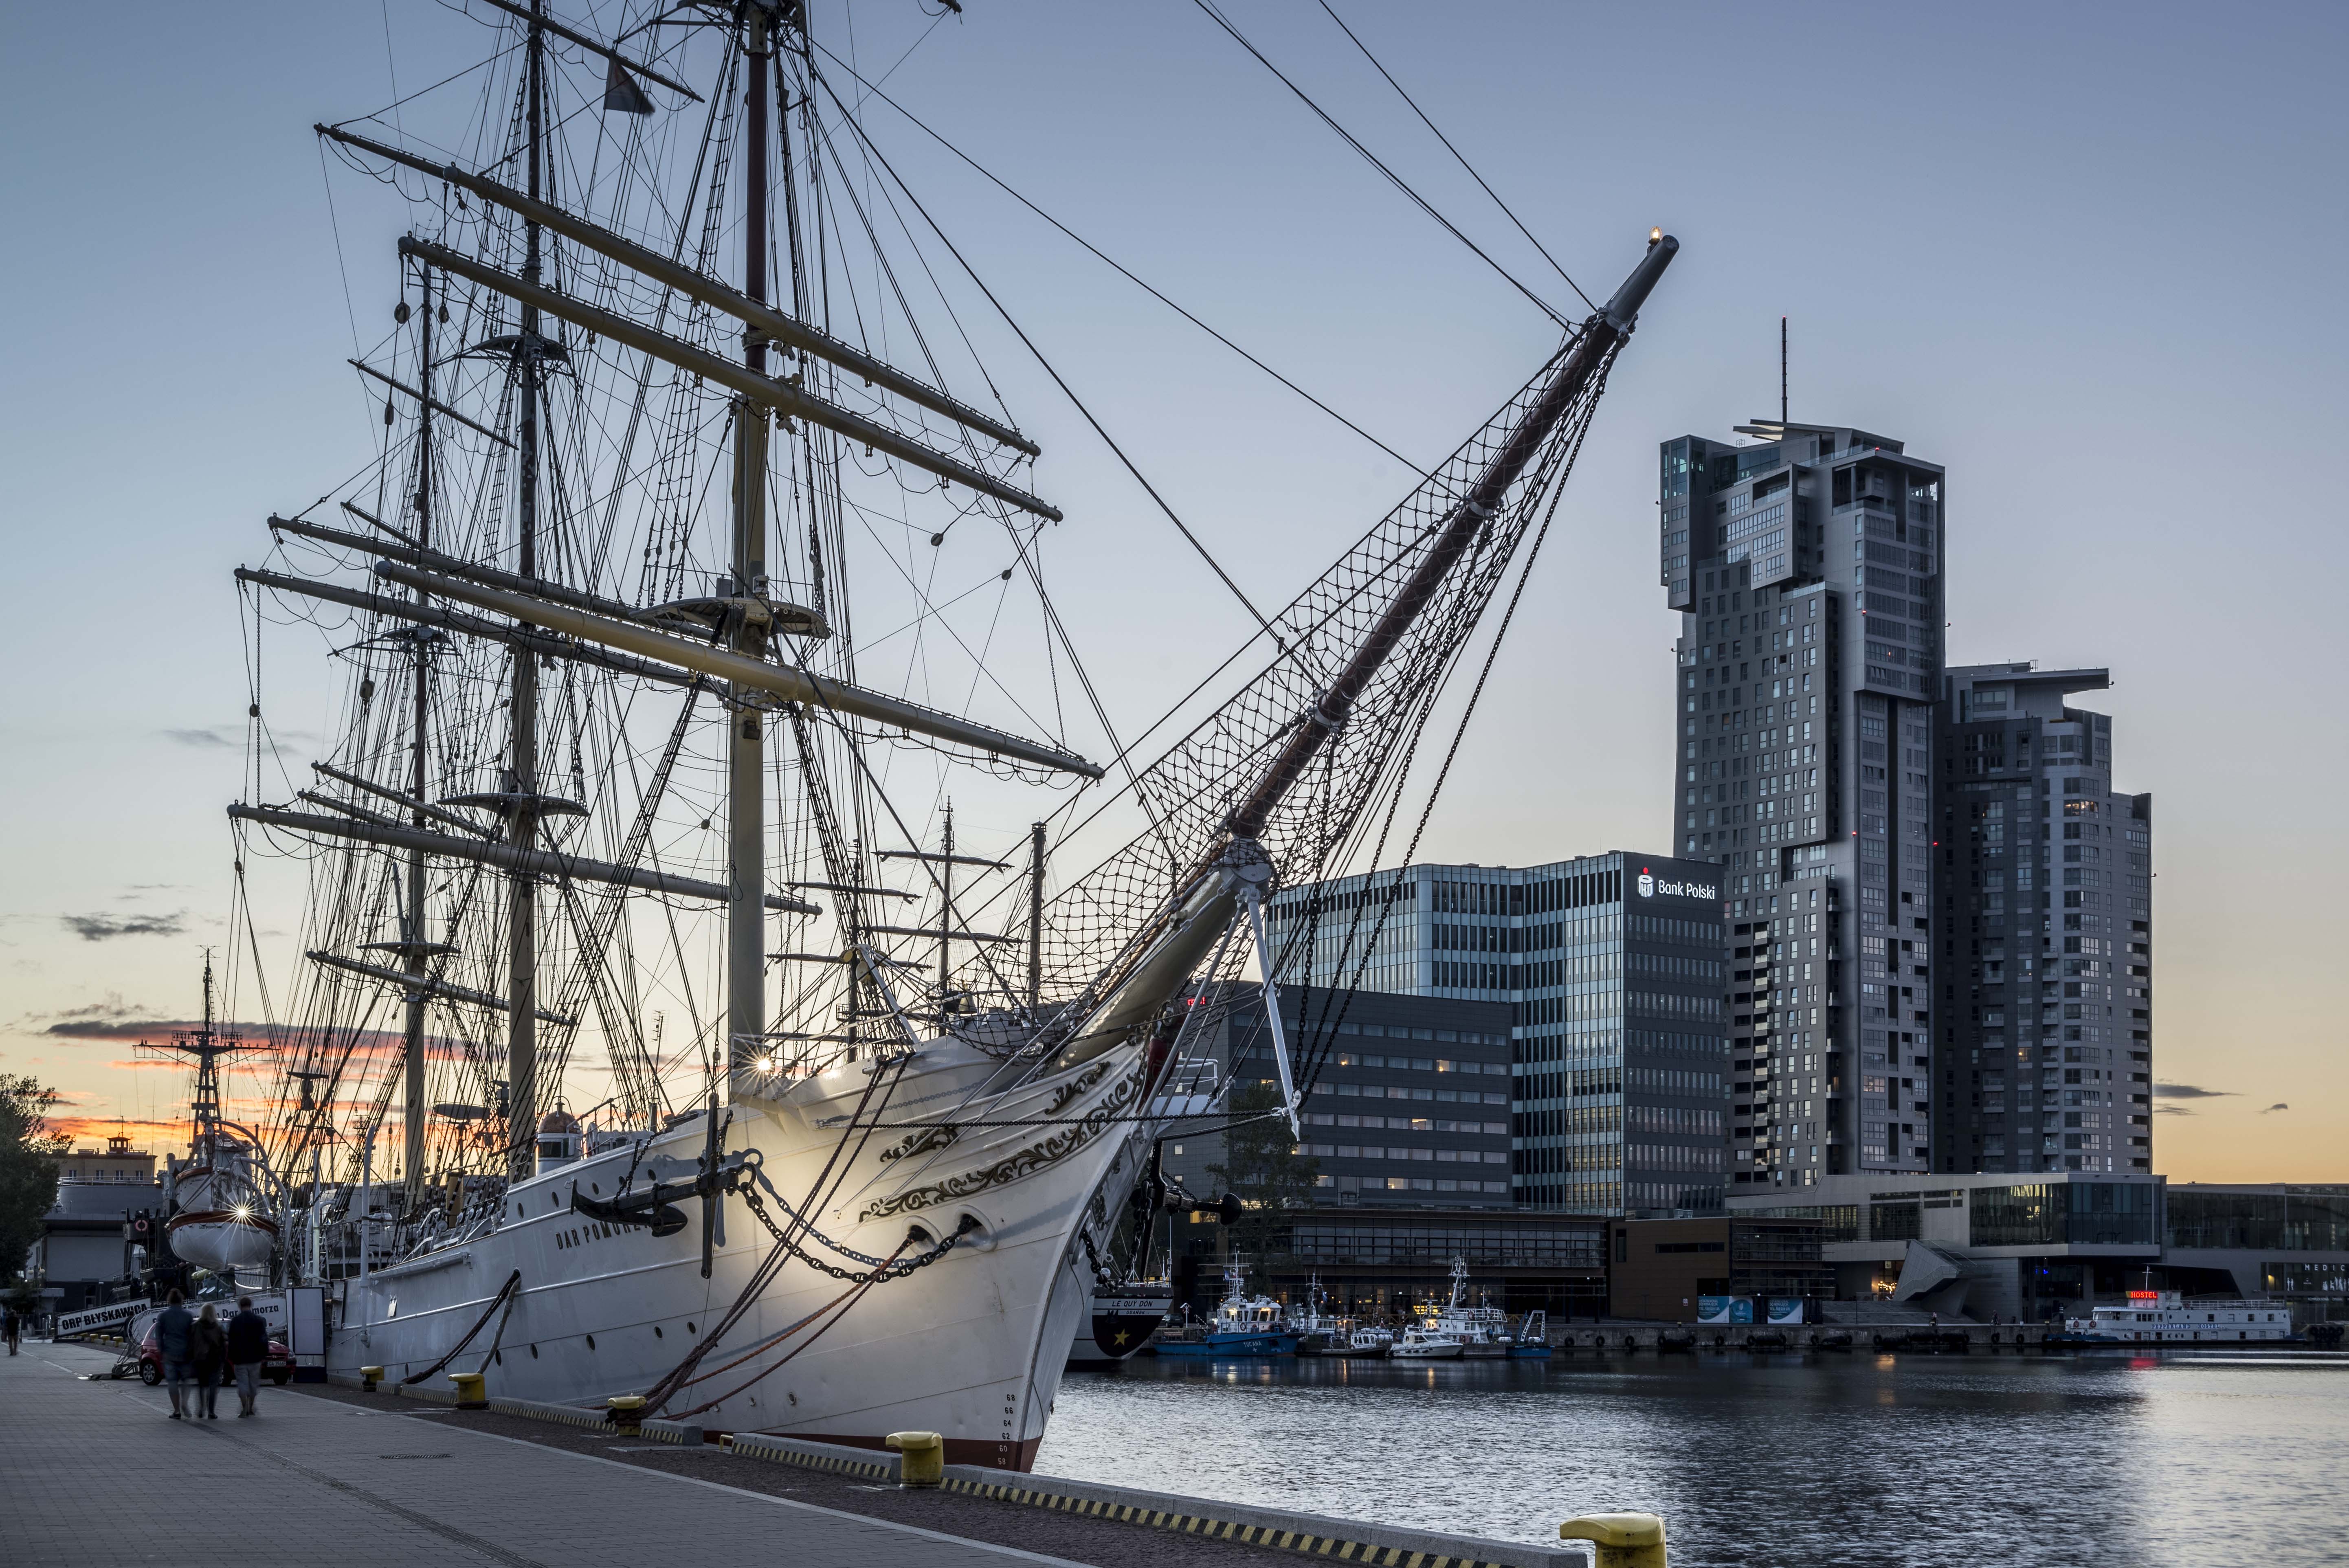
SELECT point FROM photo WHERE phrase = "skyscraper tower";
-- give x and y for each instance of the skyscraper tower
(2046, 1024)
(1807, 570)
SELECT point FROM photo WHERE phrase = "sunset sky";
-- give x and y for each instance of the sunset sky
(2085, 256)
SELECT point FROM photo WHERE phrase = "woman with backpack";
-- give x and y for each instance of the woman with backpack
(208, 1348)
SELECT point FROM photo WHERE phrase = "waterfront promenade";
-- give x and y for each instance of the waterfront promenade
(93, 1474)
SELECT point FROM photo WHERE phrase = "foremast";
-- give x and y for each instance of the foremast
(415, 947)
(746, 953)
(521, 787)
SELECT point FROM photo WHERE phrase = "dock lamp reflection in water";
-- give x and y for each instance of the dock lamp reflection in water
(1619, 1540)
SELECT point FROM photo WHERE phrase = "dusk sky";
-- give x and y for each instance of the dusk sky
(2085, 256)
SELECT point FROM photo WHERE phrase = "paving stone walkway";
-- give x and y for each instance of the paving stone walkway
(95, 1475)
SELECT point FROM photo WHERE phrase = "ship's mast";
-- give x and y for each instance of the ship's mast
(1035, 919)
(747, 750)
(416, 949)
(522, 816)
(946, 922)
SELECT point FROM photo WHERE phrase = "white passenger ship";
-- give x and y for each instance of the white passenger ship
(2167, 1318)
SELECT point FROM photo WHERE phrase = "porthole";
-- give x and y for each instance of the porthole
(689, 1328)
(534, 1353)
(594, 1189)
(499, 1356)
(590, 1342)
(656, 1332)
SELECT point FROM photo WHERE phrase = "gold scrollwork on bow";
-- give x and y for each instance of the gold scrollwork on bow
(1038, 1156)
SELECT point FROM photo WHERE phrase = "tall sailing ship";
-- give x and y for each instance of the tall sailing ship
(616, 772)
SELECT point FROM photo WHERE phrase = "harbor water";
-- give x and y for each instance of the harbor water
(1913, 1461)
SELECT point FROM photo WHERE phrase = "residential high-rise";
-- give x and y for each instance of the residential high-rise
(2046, 1028)
(1613, 966)
(1808, 568)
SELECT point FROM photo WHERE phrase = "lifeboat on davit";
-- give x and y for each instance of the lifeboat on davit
(220, 1225)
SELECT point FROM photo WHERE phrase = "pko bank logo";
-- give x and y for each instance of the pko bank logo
(1649, 887)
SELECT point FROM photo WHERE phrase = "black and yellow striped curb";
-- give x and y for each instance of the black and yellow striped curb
(1335, 1549)
(1195, 1517)
(683, 1434)
(812, 1456)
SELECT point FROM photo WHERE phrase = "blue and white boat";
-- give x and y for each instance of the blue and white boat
(1243, 1325)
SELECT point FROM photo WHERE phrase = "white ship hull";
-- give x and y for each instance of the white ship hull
(971, 1347)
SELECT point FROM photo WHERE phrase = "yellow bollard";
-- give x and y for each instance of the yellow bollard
(473, 1391)
(369, 1378)
(925, 1461)
(627, 1411)
(1619, 1540)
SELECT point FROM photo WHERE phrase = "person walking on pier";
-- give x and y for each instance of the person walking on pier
(174, 1332)
(248, 1348)
(208, 1344)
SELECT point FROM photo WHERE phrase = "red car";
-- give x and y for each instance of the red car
(278, 1369)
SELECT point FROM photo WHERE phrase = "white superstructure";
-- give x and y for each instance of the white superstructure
(2167, 1318)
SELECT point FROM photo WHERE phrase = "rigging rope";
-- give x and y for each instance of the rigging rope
(760, 1277)
(457, 1349)
(1030, 344)
(1348, 137)
(1121, 269)
(1456, 154)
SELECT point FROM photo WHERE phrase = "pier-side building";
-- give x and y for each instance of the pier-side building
(1610, 969)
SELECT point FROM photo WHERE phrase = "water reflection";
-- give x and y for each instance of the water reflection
(1762, 1461)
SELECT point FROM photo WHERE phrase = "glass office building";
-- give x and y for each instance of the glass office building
(1613, 969)
(1410, 1105)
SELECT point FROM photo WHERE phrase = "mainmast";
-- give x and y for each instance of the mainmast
(415, 948)
(746, 961)
(522, 816)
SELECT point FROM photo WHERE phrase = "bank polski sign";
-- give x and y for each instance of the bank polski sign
(1651, 885)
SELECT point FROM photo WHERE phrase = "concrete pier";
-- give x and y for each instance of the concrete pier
(96, 1476)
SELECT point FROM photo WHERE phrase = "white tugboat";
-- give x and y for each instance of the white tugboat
(1426, 1342)
(1483, 1331)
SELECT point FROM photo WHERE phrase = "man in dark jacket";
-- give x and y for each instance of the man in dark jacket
(174, 1334)
(248, 1350)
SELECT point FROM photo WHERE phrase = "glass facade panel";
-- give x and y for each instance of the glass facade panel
(2288, 1219)
(1838, 1221)
(2070, 1214)
(2013, 1217)
(1484, 1246)
(2112, 1214)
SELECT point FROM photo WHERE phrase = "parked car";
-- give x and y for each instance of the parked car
(278, 1369)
